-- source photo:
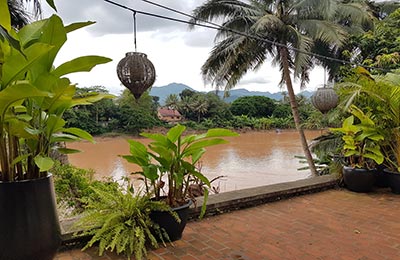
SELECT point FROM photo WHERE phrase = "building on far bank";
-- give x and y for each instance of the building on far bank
(169, 115)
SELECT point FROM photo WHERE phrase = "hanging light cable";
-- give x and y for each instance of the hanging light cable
(214, 26)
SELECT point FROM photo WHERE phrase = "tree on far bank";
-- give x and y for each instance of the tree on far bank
(253, 106)
(286, 24)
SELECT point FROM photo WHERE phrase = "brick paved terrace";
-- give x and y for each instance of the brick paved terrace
(330, 225)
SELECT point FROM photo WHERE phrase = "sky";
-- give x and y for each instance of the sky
(176, 52)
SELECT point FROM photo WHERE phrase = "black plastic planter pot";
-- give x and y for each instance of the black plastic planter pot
(358, 180)
(394, 181)
(29, 227)
(166, 221)
(382, 179)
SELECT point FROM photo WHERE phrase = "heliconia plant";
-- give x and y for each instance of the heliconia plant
(171, 160)
(34, 94)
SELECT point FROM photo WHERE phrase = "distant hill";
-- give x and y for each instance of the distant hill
(176, 88)
(164, 91)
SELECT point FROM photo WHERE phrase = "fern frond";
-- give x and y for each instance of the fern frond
(119, 220)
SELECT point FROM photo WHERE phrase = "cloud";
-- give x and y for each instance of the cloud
(112, 19)
(254, 80)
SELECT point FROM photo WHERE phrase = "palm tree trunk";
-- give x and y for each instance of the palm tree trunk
(295, 110)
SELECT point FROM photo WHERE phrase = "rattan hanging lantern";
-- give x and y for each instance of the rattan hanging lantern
(325, 99)
(136, 72)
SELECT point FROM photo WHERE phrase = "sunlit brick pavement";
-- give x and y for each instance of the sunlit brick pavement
(331, 225)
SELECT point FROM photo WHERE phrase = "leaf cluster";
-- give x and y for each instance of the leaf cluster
(34, 94)
(119, 220)
(362, 140)
(171, 159)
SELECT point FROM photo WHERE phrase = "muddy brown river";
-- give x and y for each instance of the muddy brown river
(249, 160)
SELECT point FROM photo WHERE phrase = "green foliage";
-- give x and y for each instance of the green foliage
(95, 118)
(173, 156)
(34, 96)
(119, 220)
(132, 116)
(253, 106)
(362, 141)
(73, 186)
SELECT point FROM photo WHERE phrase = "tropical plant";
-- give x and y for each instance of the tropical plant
(379, 94)
(119, 219)
(286, 30)
(171, 160)
(34, 95)
(362, 140)
(172, 101)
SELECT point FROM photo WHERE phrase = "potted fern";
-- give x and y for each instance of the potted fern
(168, 166)
(361, 150)
(33, 97)
(118, 219)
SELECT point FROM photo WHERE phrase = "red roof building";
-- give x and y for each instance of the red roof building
(169, 115)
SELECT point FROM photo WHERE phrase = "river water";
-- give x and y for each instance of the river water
(249, 160)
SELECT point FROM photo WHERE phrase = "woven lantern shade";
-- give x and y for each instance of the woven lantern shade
(136, 72)
(325, 99)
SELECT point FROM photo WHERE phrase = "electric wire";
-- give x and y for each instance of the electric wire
(211, 25)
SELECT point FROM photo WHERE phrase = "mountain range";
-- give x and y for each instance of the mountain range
(176, 88)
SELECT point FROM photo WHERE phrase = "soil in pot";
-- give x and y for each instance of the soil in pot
(358, 180)
(167, 222)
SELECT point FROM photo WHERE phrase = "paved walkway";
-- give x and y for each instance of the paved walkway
(331, 225)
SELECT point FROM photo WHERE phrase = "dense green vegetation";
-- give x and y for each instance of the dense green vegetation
(200, 111)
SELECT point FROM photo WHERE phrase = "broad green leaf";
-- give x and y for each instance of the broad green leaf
(68, 150)
(151, 172)
(141, 161)
(81, 64)
(175, 132)
(19, 128)
(17, 92)
(89, 100)
(79, 133)
(196, 155)
(202, 144)
(43, 163)
(138, 149)
(17, 65)
(348, 122)
(5, 17)
(54, 124)
(61, 137)
(31, 33)
(53, 33)
(376, 157)
(75, 26)
(350, 153)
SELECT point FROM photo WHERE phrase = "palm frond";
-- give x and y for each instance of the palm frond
(214, 9)
(323, 30)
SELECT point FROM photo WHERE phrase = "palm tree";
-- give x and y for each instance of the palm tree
(287, 30)
(199, 106)
(20, 15)
(172, 100)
